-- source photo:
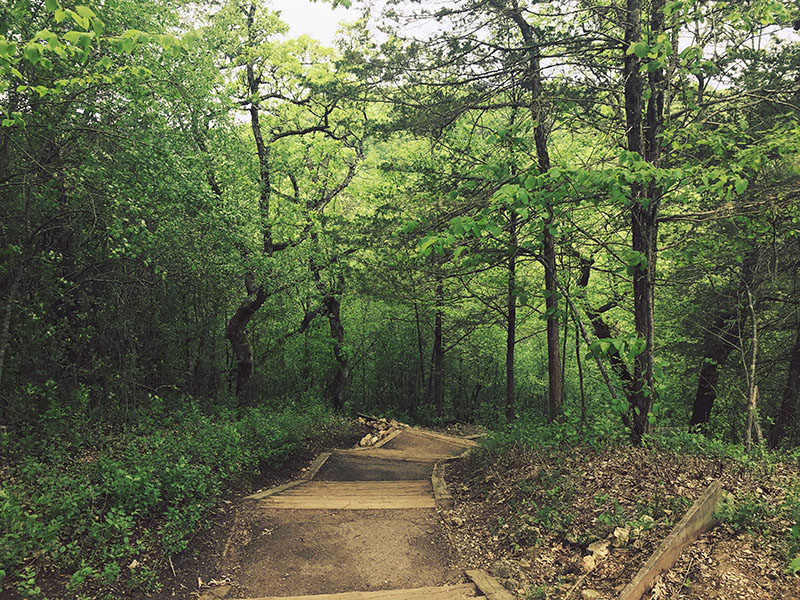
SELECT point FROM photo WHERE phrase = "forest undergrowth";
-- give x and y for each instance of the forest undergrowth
(552, 510)
(93, 510)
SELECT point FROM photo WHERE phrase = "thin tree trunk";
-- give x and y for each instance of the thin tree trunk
(790, 393)
(540, 135)
(556, 383)
(644, 140)
(511, 330)
(752, 397)
(438, 352)
(580, 371)
(420, 349)
(342, 375)
(256, 296)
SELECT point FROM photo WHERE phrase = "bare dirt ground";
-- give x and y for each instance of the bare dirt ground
(284, 552)
(294, 552)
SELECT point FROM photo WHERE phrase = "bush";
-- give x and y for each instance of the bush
(91, 507)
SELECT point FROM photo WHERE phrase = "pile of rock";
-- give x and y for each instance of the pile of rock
(381, 428)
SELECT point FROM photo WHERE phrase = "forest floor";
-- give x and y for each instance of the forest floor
(527, 517)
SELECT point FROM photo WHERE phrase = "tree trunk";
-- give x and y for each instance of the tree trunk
(644, 140)
(790, 392)
(555, 380)
(511, 329)
(437, 386)
(420, 350)
(718, 343)
(540, 135)
(342, 375)
(644, 234)
(236, 333)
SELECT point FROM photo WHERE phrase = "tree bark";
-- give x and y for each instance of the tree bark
(420, 350)
(342, 375)
(437, 386)
(643, 138)
(540, 135)
(511, 329)
(236, 333)
(790, 392)
(718, 342)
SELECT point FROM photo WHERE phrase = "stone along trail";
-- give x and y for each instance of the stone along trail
(361, 525)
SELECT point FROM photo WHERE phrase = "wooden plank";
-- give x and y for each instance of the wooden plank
(355, 495)
(698, 519)
(392, 454)
(440, 491)
(308, 475)
(316, 466)
(387, 439)
(452, 592)
(456, 441)
(275, 490)
(354, 503)
(488, 585)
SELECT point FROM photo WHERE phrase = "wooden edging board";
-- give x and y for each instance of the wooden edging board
(380, 442)
(445, 593)
(697, 520)
(488, 585)
(307, 476)
(456, 441)
(440, 491)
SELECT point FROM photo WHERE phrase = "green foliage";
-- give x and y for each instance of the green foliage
(745, 513)
(93, 507)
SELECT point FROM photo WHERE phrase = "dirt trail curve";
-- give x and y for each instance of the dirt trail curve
(360, 525)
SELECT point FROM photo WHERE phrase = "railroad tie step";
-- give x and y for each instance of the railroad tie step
(464, 591)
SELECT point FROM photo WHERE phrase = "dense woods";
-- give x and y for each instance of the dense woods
(585, 213)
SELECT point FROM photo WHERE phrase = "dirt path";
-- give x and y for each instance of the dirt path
(362, 525)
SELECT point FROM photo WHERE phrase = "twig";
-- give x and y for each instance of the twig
(171, 566)
(576, 586)
(685, 579)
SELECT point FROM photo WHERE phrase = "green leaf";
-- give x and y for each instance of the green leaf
(640, 49)
(72, 36)
(52, 5)
(32, 53)
(794, 566)
(85, 11)
(7, 49)
(530, 182)
(741, 185)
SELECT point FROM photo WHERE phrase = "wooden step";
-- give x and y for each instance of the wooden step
(450, 592)
(390, 454)
(355, 495)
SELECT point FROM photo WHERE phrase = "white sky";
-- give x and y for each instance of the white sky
(317, 19)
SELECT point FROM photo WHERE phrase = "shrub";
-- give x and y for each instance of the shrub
(91, 507)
